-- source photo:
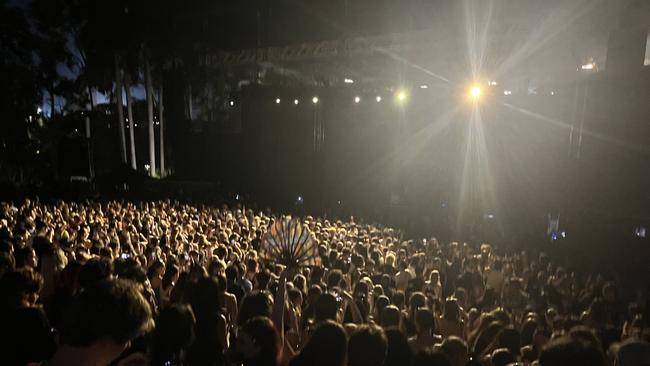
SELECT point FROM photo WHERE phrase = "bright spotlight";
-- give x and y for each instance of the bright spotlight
(357, 99)
(589, 66)
(424, 86)
(378, 99)
(475, 92)
(314, 100)
(232, 103)
(507, 92)
(348, 81)
(295, 101)
(277, 100)
(401, 95)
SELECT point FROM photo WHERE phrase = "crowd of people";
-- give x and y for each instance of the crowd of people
(165, 283)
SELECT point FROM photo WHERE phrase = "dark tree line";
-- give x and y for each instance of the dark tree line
(108, 47)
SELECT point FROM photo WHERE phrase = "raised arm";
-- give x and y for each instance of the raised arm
(354, 309)
(278, 305)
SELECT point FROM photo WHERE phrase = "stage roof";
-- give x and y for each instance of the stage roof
(511, 42)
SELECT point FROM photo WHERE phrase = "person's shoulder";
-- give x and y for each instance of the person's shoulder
(247, 283)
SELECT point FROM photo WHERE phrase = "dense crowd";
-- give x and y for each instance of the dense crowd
(165, 283)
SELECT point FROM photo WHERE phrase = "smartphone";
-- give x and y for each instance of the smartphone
(125, 256)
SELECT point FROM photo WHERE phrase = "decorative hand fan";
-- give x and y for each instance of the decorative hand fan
(288, 243)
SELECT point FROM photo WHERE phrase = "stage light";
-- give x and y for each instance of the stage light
(357, 99)
(314, 100)
(378, 99)
(552, 93)
(640, 231)
(589, 66)
(424, 86)
(475, 92)
(232, 103)
(492, 83)
(295, 101)
(348, 81)
(39, 110)
(401, 95)
(507, 92)
(277, 100)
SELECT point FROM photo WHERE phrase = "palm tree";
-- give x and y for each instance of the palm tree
(149, 93)
(101, 45)
(129, 113)
(161, 119)
(120, 107)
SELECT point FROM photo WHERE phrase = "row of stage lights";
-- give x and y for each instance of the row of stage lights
(400, 96)
(474, 93)
(315, 100)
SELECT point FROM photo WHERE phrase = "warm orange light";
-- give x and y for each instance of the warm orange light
(475, 92)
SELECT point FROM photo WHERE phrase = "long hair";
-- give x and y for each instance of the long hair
(205, 297)
(451, 310)
(486, 337)
(171, 272)
(174, 332)
(326, 347)
(266, 337)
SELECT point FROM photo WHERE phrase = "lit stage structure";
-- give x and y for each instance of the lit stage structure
(569, 81)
